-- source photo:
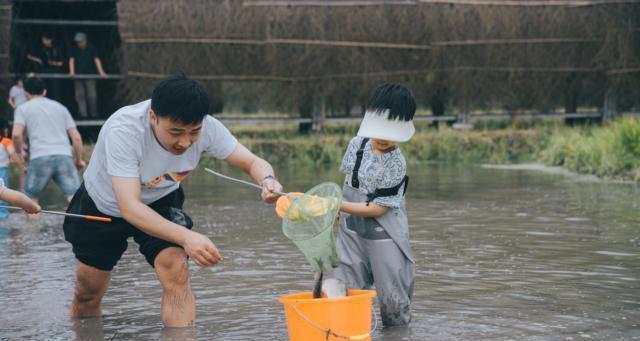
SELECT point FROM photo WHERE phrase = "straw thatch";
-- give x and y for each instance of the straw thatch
(5, 32)
(471, 56)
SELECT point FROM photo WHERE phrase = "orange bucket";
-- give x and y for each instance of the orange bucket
(335, 319)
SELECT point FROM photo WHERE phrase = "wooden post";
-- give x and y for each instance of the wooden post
(319, 115)
(572, 92)
(610, 106)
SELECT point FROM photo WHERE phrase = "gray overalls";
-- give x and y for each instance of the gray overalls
(377, 251)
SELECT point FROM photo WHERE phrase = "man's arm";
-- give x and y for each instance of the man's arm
(34, 58)
(12, 102)
(78, 147)
(197, 246)
(72, 66)
(99, 67)
(259, 170)
(18, 142)
(19, 199)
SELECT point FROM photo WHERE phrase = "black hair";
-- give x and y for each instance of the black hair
(34, 86)
(396, 98)
(17, 78)
(181, 99)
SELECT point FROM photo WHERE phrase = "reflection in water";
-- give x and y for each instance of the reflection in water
(179, 334)
(89, 329)
(501, 255)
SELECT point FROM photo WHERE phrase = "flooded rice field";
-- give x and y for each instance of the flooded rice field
(502, 255)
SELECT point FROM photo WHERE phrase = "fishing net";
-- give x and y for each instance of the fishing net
(307, 220)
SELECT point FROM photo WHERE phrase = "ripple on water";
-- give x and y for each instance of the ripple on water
(500, 256)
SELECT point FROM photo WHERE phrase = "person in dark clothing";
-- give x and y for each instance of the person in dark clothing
(47, 58)
(84, 60)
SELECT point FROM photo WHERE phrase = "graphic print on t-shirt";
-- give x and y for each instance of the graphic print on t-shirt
(170, 176)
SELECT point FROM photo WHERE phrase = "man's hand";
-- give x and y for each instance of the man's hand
(270, 185)
(80, 164)
(31, 207)
(103, 74)
(201, 249)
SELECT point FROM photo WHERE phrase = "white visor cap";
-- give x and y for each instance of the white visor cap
(376, 125)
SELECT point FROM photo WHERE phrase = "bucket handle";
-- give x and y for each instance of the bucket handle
(328, 332)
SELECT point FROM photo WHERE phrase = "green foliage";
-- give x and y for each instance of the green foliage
(611, 151)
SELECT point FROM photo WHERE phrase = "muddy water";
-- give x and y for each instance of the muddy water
(502, 255)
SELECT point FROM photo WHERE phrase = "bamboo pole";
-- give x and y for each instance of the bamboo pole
(519, 3)
(150, 75)
(279, 41)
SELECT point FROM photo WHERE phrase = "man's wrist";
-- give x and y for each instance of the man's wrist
(270, 176)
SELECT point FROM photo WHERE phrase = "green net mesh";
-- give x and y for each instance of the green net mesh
(309, 224)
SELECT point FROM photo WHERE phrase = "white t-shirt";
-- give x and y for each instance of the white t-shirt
(47, 123)
(18, 94)
(128, 148)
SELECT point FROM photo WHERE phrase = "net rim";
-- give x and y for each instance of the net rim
(333, 214)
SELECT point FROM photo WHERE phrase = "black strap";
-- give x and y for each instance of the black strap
(379, 192)
(355, 183)
(390, 191)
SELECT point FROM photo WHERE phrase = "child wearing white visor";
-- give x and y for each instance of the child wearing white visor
(373, 238)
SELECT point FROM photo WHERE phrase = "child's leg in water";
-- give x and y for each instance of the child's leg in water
(393, 273)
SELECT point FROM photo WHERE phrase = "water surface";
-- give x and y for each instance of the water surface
(502, 255)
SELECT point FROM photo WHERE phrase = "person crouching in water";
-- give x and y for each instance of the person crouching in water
(373, 238)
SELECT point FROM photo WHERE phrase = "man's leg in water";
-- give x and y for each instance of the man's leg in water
(91, 285)
(178, 301)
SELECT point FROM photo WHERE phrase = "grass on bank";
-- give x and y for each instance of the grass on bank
(611, 150)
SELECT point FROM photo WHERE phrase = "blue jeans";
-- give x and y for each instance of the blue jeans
(59, 168)
(4, 175)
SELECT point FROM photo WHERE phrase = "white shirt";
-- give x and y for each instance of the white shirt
(18, 94)
(47, 123)
(127, 147)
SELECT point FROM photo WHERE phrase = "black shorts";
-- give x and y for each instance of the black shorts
(101, 245)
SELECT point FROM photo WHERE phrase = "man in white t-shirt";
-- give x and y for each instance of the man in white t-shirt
(49, 128)
(142, 154)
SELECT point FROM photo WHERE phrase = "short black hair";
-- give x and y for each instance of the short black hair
(17, 78)
(34, 86)
(396, 98)
(180, 99)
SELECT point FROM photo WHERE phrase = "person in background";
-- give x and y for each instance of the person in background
(48, 58)
(17, 95)
(50, 127)
(7, 153)
(85, 60)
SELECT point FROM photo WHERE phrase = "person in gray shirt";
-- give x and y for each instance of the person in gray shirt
(49, 127)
